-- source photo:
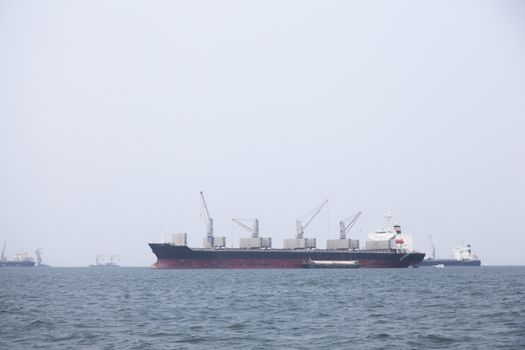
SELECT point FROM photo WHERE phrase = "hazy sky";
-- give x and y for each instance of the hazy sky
(115, 114)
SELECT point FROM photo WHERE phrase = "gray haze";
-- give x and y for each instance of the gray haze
(115, 114)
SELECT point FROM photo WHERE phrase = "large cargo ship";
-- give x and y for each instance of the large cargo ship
(462, 257)
(385, 249)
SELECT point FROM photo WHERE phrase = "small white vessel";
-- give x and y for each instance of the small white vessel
(349, 264)
(439, 266)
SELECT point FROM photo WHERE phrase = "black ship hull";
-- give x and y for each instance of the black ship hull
(17, 263)
(181, 257)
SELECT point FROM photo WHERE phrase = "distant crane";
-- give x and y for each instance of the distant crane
(299, 223)
(3, 252)
(99, 259)
(433, 247)
(254, 229)
(346, 224)
(112, 258)
(208, 221)
(38, 253)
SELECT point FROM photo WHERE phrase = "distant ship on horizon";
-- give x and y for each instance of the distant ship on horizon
(99, 261)
(20, 259)
(462, 257)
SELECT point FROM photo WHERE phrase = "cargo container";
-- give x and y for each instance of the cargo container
(266, 242)
(380, 245)
(179, 239)
(310, 243)
(295, 243)
(341, 244)
(218, 242)
(250, 243)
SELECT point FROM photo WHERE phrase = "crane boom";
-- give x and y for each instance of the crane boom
(346, 224)
(208, 221)
(433, 247)
(301, 227)
(254, 229)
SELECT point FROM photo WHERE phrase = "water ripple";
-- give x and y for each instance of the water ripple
(133, 308)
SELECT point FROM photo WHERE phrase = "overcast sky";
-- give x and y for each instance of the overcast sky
(115, 114)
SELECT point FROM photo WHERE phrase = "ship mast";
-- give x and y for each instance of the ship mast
(299, 224)
(346, 224)
(433, 248)
(112, 258)
(98, 259)
(388, 217)
(208, 221)
(38, 253)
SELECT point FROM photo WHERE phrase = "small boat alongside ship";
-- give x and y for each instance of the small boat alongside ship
(387, 248)
(332, 264)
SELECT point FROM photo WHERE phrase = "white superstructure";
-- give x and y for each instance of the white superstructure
(464, 252)
(390, 238)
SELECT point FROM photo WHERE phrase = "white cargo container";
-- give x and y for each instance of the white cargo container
(342, 244)
(295, 243)
(310, 243)
(250, 243)
(179, 239)
(218, 242)
(338, 244)
(379, 245)
(299, 243)
(266, 242)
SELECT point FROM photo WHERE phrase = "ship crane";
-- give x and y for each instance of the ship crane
(99, 258)
(433, 248)
(299, 223)
(38, 253)
(346, 224)
(208, 221)
(254, 230)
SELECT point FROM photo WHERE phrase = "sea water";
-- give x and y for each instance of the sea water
(140, 308)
